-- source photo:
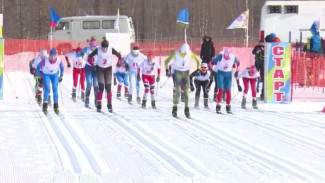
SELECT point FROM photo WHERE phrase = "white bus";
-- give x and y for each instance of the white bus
(282, 17)
(81, 28)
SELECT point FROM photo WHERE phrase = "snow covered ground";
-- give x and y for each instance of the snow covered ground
(277, 143)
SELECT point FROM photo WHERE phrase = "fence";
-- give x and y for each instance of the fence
(308, 70)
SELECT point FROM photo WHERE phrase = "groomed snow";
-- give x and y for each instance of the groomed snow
(277, 143)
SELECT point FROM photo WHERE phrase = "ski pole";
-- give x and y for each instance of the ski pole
(164, 83)
(11, 86)
(61, 93)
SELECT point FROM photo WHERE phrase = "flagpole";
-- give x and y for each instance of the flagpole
(246, 36)
(51, 37)
(185, 36)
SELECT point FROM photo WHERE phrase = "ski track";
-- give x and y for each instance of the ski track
(298, 139)
(65, 139)
(297, 119)
(43, 119)
(255, 152)
(195, 165)
(137, 137)
(69, 141)
(173, 160)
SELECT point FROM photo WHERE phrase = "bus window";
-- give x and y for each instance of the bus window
(291, 9)
(108, 24)
(62, 26)
(274, 9)
(91, 24)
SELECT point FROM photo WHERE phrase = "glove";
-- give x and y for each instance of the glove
(115, 83)
(118, 64)
(68, 64)
(236, 74)
(257, 89)
(60, 78)
(127, 67)
(240, 89)
(91, 60)
(158, 79)
(138, 78)
(192, 88)
(38, 79)
(168, 73)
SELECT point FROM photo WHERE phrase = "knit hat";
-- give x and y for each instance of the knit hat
(53, 51)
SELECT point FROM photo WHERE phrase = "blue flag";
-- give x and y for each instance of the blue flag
(54, 17)
(315, 27)
(183, 18)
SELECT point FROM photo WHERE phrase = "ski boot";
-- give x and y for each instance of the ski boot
(228, 109)
(255, 104)
(109, 107)
(99, 106)
(44, 109)
(206, 103)
(39, 98)
(74, 96)
(139, 100)
(82, 96)
(243, 103)
(187, 112)
(153, 104)
(130, 98)
(174, 112)
(87, 102)
(118, 94)
(144, 103)
(218, 109)
(56, 108)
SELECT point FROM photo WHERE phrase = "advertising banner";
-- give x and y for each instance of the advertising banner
(278, 73)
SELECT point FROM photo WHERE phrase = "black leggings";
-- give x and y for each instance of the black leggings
(198, 85)
(104, 76)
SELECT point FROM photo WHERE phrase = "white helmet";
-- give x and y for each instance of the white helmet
(185, 48)
(43, 53)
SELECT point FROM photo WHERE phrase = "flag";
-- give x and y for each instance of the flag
(315, 27)
(54, 17)
(240, 22)
(183, 18)
(117, 20)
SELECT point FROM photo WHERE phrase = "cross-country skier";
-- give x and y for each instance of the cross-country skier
(133, 60)
(90, 71)
(149, 69)
(52, 74)
(39, 82)
(78, 62)
(250, 76)
(201, 79)
(104, 71)
(121, 75)
(180, 66)
(225, 62)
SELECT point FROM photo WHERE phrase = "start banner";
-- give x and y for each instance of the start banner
(278, 73)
